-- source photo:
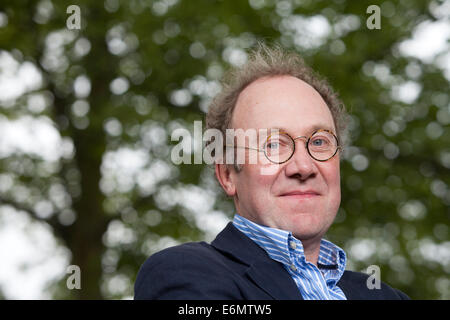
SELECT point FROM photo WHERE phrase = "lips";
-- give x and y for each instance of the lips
(306, 194)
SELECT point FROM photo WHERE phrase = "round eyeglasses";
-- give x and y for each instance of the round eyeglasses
(279, 147)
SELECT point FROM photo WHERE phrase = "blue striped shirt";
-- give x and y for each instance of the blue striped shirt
(314, 283)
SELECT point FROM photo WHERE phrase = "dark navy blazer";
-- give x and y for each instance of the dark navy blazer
(233, 267)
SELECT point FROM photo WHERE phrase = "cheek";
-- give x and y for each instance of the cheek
(262, 177)
(331, 171)
(332, 178)
(257, 180)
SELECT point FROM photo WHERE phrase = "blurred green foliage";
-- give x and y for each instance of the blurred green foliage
(138, 69)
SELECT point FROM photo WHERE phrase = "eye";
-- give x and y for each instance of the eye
(273, 145)
(320, 142)
(278, 144)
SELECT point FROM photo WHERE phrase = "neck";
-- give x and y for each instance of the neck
(311, 247)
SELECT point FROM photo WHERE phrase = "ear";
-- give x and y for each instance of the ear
(224, 174)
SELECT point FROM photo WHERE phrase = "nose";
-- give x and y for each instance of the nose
(301, 164)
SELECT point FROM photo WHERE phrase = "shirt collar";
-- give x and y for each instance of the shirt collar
(282, 246)
(273, 241)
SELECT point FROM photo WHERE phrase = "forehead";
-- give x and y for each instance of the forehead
(281, 102)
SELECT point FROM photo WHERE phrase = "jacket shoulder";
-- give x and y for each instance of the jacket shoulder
(358, 286)
(178, 254)
(192, 270)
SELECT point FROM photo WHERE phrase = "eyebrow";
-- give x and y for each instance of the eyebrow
(310, 129)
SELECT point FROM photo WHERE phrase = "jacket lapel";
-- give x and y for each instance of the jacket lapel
(275, 280)
(266, 273)
(351, 290)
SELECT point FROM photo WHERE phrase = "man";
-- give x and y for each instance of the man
(286, 194)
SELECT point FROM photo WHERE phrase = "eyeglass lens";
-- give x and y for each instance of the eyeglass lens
(279, 147)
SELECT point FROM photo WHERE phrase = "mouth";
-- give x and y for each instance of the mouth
(300, 195)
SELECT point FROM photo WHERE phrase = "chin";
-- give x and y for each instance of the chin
(306, 225)
(304, 235)
(302, 207)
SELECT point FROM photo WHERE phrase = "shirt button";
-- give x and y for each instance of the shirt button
(292, 245)
(293, 268)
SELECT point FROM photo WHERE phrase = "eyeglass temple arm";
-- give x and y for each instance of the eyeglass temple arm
(241, 147)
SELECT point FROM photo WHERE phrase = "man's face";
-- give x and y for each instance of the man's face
(301, 195)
